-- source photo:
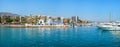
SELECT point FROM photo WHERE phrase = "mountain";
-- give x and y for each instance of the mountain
(10, 14)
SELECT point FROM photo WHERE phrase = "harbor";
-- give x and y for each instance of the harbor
(78, 37)
(59, 23)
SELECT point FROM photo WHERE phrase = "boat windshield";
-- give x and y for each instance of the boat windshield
(118, 25)
(107, 24)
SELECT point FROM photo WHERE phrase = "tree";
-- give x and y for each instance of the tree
(23, 19)
(0, 19)
(53, 20)
(30, 20)
(17, 20)
(45, 19)
(9, 20)
(59, 18)
(68, 20)
(80, 21)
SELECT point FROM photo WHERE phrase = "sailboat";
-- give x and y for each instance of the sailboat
(114, 26)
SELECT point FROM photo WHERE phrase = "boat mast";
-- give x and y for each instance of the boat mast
(110, 17)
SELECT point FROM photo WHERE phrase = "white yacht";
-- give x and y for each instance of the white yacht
(109, 26)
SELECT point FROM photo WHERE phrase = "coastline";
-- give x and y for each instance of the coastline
(38, 26)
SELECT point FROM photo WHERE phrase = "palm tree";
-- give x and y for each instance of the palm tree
(64, 20)
(32, 20)
(29, 20)
(68, 20)
(59, 18)
(53, 20)
(80, 21)
(14, 19)
(35, 19)
(4, 17)
(45, 19)
(23, 20)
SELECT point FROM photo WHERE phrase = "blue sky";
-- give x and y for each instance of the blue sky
(92, 10)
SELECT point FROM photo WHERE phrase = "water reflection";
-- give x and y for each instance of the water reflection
(116, 33)
(76, 37)
(112, 33)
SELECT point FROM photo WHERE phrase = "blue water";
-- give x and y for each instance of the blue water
(58, 37)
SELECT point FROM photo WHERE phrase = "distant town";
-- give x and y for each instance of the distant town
(10, 18)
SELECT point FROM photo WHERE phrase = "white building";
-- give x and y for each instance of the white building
(75, 18)
(41, 22)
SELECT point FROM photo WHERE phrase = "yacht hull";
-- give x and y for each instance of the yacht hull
(114, 26)
(109, 28)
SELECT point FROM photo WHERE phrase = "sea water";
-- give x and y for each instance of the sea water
(87, 36)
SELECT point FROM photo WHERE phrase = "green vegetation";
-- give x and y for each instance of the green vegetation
(45, 20)
(0, 19)
(34, 19)
(59, 18)
(9, 20)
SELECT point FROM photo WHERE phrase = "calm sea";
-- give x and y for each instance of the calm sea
(58, 37)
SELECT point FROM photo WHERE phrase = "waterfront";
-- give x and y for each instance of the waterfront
(58, 37)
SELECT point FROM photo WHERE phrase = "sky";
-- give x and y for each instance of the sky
(91, 10)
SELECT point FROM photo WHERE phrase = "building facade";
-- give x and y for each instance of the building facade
(75, 18)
